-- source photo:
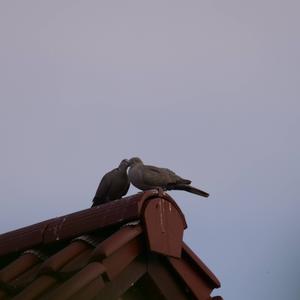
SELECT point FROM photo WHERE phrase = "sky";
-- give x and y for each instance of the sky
(209, 89)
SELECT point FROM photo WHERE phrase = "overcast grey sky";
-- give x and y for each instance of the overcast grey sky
(207, 88)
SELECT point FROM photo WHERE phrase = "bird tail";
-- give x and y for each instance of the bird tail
(188, 188)
(184, 181)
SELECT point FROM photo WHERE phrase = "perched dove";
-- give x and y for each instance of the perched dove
(113, 184)
(145, 177)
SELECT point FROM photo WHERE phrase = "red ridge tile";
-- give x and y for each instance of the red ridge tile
(164, 223)
(23, 238)
(72, 225)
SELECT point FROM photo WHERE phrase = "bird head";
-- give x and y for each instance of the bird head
(134, 161)
(124, 164)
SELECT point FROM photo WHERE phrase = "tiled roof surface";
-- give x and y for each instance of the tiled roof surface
(97, 254)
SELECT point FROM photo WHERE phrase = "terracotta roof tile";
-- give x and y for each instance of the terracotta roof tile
(78, 262)
(59, 259)
(19, 266)
(116, 262)
(90, 291)
(26, 278)
(196, 262)
(115, 241)
(92, 254)
(123, 281)
(77, 282)
(36, 288)
(190, 277)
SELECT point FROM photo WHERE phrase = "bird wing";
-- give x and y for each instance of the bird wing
(188, 188)
(103, 189)
(155, 170)
(126, 189)
(155, 176)
(168, 176)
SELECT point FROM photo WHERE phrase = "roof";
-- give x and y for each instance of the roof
(130, 248)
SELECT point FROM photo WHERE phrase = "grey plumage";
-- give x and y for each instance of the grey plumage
(146, 177)
(113, 184)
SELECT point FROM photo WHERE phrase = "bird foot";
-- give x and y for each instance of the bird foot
(161, 191)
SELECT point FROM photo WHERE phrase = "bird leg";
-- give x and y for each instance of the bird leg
(160, 191)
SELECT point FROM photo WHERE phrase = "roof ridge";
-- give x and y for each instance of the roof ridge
(78, 223)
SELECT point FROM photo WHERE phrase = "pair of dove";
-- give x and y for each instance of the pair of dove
(115, 183)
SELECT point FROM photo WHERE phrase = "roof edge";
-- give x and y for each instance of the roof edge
(70, 225)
